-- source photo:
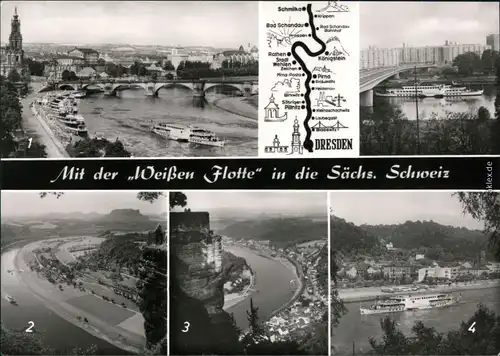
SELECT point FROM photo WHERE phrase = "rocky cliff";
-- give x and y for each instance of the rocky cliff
(197, 295)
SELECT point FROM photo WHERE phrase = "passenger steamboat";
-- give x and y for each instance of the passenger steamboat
(190, 133)
(65, 112)
(425, 91)
(409, 302)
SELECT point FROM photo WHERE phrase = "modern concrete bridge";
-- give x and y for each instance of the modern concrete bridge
(246, 85)
(369, 79)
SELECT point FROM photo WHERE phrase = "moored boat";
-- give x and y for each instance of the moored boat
(78, 94)
(411, 302)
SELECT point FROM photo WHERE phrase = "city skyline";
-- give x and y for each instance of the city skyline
(426, 23)
(169, 23)
(386, 208)
(307, 203)
(26, 204)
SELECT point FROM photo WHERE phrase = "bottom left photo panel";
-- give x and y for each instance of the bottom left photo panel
(84, 272)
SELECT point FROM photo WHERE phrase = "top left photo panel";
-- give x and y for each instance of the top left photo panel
(129, 79)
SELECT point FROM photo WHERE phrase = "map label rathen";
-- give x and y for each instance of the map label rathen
(309, 79)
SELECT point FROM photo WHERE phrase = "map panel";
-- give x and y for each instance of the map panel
(309, 79)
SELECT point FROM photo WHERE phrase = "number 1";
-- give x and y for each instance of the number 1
(30, 140)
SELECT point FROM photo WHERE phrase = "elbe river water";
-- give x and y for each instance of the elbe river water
(272, 290)
(272, 286)
(354, 327)
(57, 332)
(129, 117)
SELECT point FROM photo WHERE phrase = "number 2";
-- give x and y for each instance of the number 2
(30, 140)
(186, 327)
(32, 324)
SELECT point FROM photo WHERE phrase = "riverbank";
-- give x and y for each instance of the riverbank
(294, 267)
(63, 303)
(290, 264)
(299, 273)
(37, 127)
(352, 295)
(242, 106)
(232, 299)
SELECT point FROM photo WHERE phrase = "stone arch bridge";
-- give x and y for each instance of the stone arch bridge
(197, 87)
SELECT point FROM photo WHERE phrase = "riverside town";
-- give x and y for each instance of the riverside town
(140, 94)
(153, 204)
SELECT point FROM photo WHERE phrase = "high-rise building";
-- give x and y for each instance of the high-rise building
(12, 55)
(445, 54)
(379, 57)
(493, 41)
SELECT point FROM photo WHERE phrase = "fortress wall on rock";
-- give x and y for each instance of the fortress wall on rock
(199, 258)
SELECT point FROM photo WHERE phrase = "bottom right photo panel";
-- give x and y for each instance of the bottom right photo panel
(415, 273)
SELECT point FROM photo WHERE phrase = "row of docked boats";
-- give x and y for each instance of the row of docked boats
(187, 133)
(430, 91)
(410, 302)
(62, 108)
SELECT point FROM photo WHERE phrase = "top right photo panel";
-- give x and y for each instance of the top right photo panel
(429, 78)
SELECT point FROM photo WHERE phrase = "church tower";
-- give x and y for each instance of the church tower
(296, 143)
(15, 38)
(14, 50)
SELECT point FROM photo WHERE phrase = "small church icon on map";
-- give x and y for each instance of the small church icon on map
(295, 147)
(273, 112)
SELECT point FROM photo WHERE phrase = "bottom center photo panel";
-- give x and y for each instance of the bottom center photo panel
(249, 273)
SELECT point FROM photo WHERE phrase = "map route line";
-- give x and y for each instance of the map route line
(308, 143)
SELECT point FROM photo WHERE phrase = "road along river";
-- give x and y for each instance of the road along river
(54, 312)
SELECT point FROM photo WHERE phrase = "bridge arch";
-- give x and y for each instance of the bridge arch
(66, 86)
(171, 85)
(99, 85)
(239, 87)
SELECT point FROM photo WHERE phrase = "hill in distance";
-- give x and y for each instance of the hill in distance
(435, 240)
(281, 231)
(74, 224)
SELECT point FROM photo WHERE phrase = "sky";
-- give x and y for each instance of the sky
(29, 203)
(308, 203)
(390, 24)
(375, 208)
(226, 24)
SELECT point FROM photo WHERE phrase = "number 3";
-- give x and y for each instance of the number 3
(32, 324)
(186, 327)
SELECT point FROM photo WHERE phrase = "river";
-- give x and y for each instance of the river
(272, 286)
(130, 114)
(55, 331)
(356, 328)
(428, 106)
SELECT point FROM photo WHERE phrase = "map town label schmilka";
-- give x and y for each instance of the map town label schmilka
(309, 79)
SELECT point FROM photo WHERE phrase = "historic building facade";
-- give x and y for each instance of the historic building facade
(12, 56)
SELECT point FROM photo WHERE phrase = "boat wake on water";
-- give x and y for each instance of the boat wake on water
(10, 299)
